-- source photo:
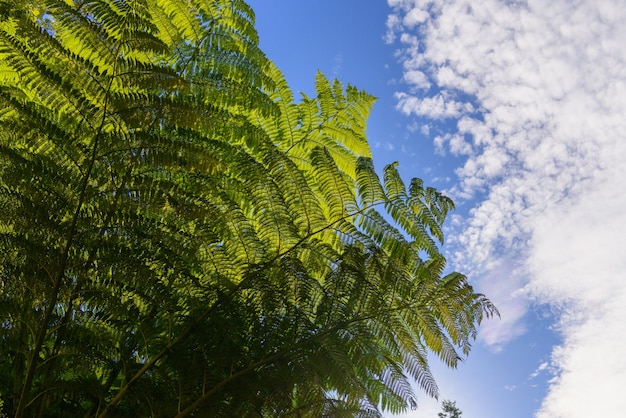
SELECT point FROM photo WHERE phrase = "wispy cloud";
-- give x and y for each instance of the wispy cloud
(338, 65)
(544, 132)
(540, 369)
(435, 107)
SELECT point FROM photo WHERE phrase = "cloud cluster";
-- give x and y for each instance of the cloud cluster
(538, 92)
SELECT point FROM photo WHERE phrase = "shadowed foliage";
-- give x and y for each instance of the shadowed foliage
(179, 236)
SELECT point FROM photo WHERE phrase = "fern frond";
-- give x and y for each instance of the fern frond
(339, 199)
(369, 187)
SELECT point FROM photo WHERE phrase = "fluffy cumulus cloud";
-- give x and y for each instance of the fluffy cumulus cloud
(537, 90)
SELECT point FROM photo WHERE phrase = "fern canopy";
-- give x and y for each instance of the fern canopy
(180, 237)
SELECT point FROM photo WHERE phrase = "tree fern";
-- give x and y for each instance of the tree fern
(180, 237)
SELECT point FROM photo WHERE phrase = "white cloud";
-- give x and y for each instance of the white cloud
(440, 142)
(459, 146)
(545, 138)
(417, 79)
(414, 17)
(579, 261)
(393, 24)
(456, 142)
(436, 107)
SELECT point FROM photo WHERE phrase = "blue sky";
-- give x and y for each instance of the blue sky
(517, 110)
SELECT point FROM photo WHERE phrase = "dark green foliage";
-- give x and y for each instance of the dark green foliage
(178, 237)
(449, 410)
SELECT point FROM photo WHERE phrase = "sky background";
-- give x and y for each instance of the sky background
(517, 110)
